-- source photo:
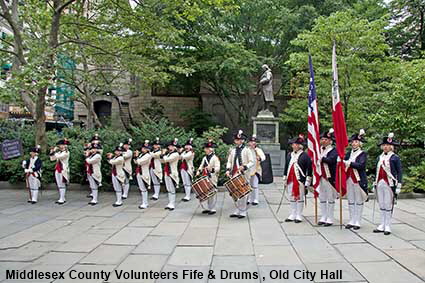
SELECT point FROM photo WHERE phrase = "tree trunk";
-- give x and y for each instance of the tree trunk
(40, 120)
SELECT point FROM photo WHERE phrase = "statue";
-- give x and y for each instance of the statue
(266, 87)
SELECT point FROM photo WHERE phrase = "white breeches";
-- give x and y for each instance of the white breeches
(156, 183)
(187, 183)
(171, 188)
(297, 206)
(385, 198)
(254, 195)
(118, 189)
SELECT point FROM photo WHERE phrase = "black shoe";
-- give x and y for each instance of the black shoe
(212, 212)
(233, 215)
(255, 203)
(349, 226)
(33, 202)
(60, 202)
(153, 198)
(328, 224)
(321, 223)
(89, 196)
(297, 221)
(170, 209)
(124, 197)
(241, 216)
(248, 203)
(166, 207)
(386, 233)
(356, 227)
(116, 205)
(92, 203)
(289, 220)
(185, 200)
(29, 201)
(378, 231)
(205, 211)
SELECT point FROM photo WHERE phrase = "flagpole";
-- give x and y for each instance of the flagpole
(340, 196)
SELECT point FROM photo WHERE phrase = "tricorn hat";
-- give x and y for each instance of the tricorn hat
(174, 142)
(358, 136)
(146, 145)
(128, 141)
(36, 149)
(253, 138)
(156, 142)
(190, 142)
(389, 140)
(210, 144)
(239, 135)
(328, 134)
(63, 142)
(298, 140)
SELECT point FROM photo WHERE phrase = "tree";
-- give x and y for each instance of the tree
(361, 51)
(36, 28)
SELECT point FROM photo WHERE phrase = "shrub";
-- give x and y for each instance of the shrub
(416, 179)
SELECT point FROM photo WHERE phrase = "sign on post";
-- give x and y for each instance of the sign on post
(11, 149)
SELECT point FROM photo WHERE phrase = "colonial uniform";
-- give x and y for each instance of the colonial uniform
(297, 177)
(388, 184)
(32, 168)
(327, 191)
(155, 170)
(186, 168)
(355, 166)
(95, 140)
(128, 170)
(240, 157)
(118, 175)
(94, 174)
(171, 173)
(256, 172)
(142, 173)
(210, 167)
(61, 169)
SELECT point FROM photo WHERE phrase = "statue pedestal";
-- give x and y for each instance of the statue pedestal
(266, 127)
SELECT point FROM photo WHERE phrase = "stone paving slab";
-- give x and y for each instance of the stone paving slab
(87, 238)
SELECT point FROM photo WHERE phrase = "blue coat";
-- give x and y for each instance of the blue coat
(331, 159)
(305, 164)
(37, 166)
(360, 165)
(396, 169)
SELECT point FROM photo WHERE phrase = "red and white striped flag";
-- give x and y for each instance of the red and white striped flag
(340, 130)
(313, 141)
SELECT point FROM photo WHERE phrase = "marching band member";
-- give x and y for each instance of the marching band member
(210, 167)
(94, 175)
(118, 174)
(143, 160)
(297, 177)
(355, 164)
(257, 172)
(60, 154)
(186, 168)
(127, 154)
(240, 161)
(32, 169)
(388, 182)
(171, 172)
(327, 191)
(94, 140)
(155, 168)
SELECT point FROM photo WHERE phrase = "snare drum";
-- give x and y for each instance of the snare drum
(203, 188)
(238, 187)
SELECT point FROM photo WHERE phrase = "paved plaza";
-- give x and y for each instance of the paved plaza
(75, 236)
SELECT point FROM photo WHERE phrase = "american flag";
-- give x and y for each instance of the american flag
(313, 140)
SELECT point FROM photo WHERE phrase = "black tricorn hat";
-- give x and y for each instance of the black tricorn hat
(156, 142)
(36, 149)
(96, 138)
(128, 141)
(328, 134)
(174, 142)
(95, 145)
(389, 140)
(210, 144)
(63, 142)
(189, 142)
(239, 135)
(253, 138)
(146, 145)
(358, 136)
(298, 140)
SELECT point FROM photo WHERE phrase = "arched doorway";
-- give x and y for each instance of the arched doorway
(103, 111)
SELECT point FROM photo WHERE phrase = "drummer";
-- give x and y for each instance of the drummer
(210, 167)
(240, 161)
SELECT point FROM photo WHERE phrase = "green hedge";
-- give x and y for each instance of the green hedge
(11, 170)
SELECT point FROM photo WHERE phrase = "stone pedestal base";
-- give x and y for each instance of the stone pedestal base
(266, 127)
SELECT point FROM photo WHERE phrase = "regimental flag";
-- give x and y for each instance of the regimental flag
(339, 128)
(313, 140)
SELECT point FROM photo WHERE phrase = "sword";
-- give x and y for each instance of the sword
(374, 204)
(281, 199)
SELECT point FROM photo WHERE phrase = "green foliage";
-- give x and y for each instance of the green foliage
(198, 120)
(416, 179)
